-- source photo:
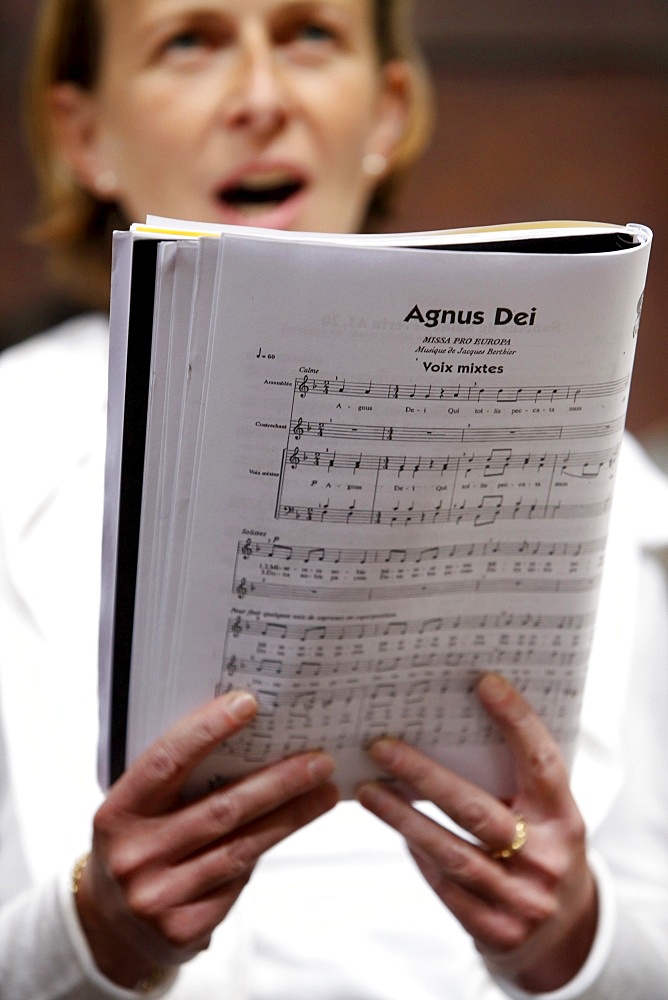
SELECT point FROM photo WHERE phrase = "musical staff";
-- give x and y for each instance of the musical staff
(461, 393)
(497, 462)
(530, 585)
(412, 668)
(481, 515)
(306, 554)
(300, 428)
(361, 630)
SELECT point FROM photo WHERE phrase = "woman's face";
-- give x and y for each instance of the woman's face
(254, 112)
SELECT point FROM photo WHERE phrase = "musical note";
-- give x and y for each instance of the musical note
(396, 628)
(428, 555)
(508, 395)
(279, 551)
(275, 630)
(498, 461)
(396, 555)
(314, 632)
(266, 666)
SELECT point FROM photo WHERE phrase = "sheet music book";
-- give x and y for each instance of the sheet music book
(351, 474)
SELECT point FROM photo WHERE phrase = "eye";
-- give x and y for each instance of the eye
(309, 40)
(192, 39)
(185, 41)
(312, 31)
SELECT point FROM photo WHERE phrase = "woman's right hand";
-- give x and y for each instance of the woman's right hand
(163, 873)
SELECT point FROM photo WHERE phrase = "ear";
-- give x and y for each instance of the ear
(74, 120)
(394, 111)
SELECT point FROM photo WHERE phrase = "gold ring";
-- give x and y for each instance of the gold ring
(517, 843)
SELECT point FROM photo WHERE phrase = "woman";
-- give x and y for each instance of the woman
(295, 115)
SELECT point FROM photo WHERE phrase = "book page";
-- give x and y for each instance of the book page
(402, 479)
(171, 348)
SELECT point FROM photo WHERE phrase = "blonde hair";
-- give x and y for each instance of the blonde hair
(76, 225)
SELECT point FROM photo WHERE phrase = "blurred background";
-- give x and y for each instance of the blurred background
(546, 109)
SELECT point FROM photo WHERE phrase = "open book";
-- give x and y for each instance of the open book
(351, 474)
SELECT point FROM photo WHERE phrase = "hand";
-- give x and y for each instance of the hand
(163, 873)
(532, 916)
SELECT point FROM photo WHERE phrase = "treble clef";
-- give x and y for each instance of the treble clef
(236, 627)
(242, 589)
(232, 666)
(247, 549)
(294, 458)
(303, 386)
(299, 429)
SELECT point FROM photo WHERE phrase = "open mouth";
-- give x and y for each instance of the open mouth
(260, 193)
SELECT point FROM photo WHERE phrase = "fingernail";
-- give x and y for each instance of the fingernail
(383, 750)
(371, 794)
(493, 687)
(242, 706)
(320, 767)
(366, 793)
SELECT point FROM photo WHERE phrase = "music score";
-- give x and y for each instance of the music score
(292, 573)
(340, 678)
(358, 679)
(427, 711)
(475, 482)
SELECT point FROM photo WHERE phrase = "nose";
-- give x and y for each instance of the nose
(257, 97)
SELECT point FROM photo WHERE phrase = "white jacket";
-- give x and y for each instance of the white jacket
(338, 911)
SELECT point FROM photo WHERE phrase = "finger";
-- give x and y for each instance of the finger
(479, 890)
(510, 892)
(207, 820)
(542, 776)
(228, 861)
(472, 809)
(185, 930)
(240, 852)
(491, 925)
(152, 783)
(461, 862)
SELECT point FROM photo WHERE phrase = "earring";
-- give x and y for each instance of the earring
(374, 164)
(106, 182)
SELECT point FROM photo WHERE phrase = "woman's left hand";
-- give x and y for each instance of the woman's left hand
(531, 915)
